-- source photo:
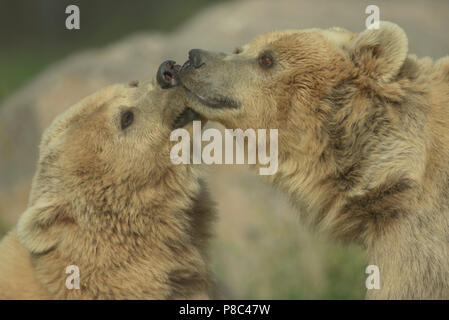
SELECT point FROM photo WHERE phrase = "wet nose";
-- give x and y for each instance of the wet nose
(196, 58)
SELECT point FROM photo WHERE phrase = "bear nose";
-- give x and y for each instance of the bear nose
(167, 74)
(196, 58)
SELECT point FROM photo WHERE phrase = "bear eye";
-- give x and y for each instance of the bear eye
(266, 60)
(126, 119)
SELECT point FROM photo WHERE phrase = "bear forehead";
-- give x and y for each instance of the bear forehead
(92, 111)
(336, 36)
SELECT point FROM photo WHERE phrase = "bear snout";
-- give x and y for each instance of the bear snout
(196, 58)
(167, 74)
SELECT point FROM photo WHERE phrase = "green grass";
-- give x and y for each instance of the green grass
(280, 273)
(345, 269)
(3, 227)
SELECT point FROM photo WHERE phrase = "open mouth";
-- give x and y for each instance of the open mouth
(187, 65)
(185, 117)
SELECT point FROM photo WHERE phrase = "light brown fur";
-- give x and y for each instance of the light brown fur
(111, 202)
(363, 140)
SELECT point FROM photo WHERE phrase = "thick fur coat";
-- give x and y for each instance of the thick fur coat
(363, 139)
(107, 199)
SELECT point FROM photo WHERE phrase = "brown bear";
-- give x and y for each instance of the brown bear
(363, 139)
(107, 200)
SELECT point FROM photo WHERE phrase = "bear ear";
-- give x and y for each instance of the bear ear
(39, 227)
(380, 53)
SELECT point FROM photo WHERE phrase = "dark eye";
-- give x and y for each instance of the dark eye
(266, 60)
(237, 50)
(127, 119)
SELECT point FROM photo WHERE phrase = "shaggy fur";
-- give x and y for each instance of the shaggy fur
(109, 201)
(363, 140)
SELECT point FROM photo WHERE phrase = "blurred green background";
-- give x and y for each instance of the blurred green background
(32, 32)
(261, 249)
